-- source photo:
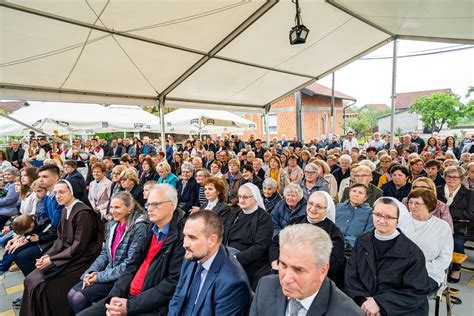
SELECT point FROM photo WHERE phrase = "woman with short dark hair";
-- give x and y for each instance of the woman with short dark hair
(214, 190)
(398, 187)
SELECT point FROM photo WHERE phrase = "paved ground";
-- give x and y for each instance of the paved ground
(11, 287)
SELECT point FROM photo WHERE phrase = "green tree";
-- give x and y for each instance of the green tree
(362, 124)
(440, 109)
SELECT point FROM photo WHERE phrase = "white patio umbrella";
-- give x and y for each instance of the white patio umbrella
(200, 121)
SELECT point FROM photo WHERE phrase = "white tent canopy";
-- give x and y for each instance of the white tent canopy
(199, 121)
(66, 118)
(133, 118)
(201, 54)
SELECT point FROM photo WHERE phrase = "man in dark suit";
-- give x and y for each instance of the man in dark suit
(212, 281)
(302, 288)
(15, 154)
(115, 151)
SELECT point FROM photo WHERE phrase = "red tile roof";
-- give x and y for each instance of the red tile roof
(406, 99)
(11, 106)
(319, 89)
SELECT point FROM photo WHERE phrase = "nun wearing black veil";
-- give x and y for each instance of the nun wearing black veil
(80, 237)
(249, 230)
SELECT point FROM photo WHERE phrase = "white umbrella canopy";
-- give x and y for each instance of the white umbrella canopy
(200, 121)
(134, 118)
(65, 118)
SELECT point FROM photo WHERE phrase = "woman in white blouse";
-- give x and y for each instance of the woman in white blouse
(431, 234)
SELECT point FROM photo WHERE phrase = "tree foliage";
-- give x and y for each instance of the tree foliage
(362, 124)
(440, 109)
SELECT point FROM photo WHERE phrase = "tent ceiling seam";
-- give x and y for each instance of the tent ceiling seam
(133, 37)
(359, 17)
(121, 47)
(223, 43)
(83, 46)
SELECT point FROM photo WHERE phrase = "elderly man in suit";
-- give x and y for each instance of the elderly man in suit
(212, 281)
(16, 154)
(302, 288)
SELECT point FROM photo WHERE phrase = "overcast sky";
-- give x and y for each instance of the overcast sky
(369, 81)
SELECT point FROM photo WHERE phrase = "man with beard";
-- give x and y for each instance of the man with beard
(212, 281)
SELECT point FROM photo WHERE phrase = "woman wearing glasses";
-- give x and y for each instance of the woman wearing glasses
(424, 228)
(320, 211)
(386, 274)
(441, 210)
(461, 206)
(249, 230)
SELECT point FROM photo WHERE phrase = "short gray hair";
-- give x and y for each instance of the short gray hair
(312, 167)
(345, 157)
(12, 170)
(294, 188)
(308, 236)
(170, 192)
(188, 166)
(271, 183)
(454, 169)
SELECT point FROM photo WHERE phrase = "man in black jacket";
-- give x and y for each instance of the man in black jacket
(15, 154)
(77, 181)
(148, 283)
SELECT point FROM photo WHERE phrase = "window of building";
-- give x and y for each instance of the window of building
(272, 123)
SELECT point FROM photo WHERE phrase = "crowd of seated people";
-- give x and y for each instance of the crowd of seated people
(232, 227)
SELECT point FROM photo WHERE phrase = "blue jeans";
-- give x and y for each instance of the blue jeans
(459, 242)
(5, 238)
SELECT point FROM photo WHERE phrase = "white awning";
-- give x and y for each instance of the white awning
(218, 54)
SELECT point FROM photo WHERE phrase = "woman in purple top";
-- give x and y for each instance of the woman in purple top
(125, 235)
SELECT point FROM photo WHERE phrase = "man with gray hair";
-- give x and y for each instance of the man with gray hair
(301, 287)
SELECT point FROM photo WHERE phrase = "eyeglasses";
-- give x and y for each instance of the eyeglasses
(244, 197)
(361, 175)
(154, 205)
(411, 203)
(116, 173)
(384, 217)
(317, 206)
(309, 172)
(452, 177)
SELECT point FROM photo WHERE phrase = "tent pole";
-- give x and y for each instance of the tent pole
(267, 128)
(394, 92)
(333, 103)
(161, 104)
(298, 114)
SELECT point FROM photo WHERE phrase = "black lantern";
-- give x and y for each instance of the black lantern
(299, 32)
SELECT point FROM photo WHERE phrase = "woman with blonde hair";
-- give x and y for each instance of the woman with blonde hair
(166, 176)
(325, 173)
(130, 183)
(277, 173)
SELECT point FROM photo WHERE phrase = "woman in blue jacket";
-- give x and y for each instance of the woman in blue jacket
(9, 200)
(354, 216)
(166, 176)
(125, 236)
